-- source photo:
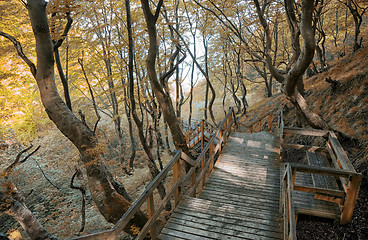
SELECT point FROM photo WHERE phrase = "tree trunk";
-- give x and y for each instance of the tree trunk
(19, 211)
(111, 204)
(294, 87)
(162, 97)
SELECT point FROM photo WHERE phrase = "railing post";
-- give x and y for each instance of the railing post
(211, 157)
(151, 212)
(176, 176)
(220, 141)
(204, 175)
(194, 178)
(270, 118)
(202, 130)
(260, 125)
(351, 197)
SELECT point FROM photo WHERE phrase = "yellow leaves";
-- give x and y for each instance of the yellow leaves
(135, 230)
(59, 10)
(14, 235)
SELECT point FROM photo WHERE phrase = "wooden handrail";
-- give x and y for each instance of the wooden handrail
(288, 203)
(179, 179)
(342, 168)
(348, 196)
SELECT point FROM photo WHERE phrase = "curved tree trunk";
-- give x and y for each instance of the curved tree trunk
(162, 97)
(14, 206)
(294, 88)
(110, 203)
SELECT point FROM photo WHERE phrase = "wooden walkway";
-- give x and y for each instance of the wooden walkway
(240, 199)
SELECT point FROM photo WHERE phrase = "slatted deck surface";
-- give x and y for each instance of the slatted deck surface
(241, 198)
(305, 203)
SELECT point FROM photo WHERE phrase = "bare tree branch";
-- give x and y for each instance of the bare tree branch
(68, 25)
(20, 52)
(17, 159)
(78, 173)
(80, 61)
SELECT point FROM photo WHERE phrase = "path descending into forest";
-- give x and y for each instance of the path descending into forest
(241, 197)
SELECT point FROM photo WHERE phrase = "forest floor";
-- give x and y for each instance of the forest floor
(44, 180)
(345, 109)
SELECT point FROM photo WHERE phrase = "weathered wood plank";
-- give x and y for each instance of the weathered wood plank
(203, 234)
(319, 180)
(262, 219)
(305, 203)
(163, 236)
(246, 185)
(341, 155)
(308, 132)
(227, 222)
(303, 147)
(174, 232)
(256, 205)
(227, 209)
(268, 199)
(222, 230)
(247, 191)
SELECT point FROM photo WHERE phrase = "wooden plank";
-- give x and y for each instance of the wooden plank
(163, 236)
(319, 180)
(176, 176)
(336, 193)
(205, 234)
(271, 192)
(269, 125)
(307, 132)
(341, 155)
(250, 202)
(261, 219)
(237, 196)
(256, 173)
(351, 197)
(151, 213)
(303, 147)
(323, 170)
(305, 203)
(246, 192)
(227, 229)
(290, 190)
(188, 159)
(343, 180)
(205, 206)
(183, 235)
(261, 177)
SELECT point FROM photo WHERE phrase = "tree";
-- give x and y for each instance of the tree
(158, 89)
(105, 192)
(13, 204)
(357, 10)
(301, 58)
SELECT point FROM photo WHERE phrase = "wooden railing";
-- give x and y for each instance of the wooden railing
(257, 124)
(287, 203)
(181, 184)
(340, 168)
(197, 135)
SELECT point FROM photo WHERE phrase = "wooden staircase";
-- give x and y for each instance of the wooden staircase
(247, 193)
(241, 198)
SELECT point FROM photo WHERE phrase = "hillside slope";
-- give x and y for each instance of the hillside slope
(345, 108)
